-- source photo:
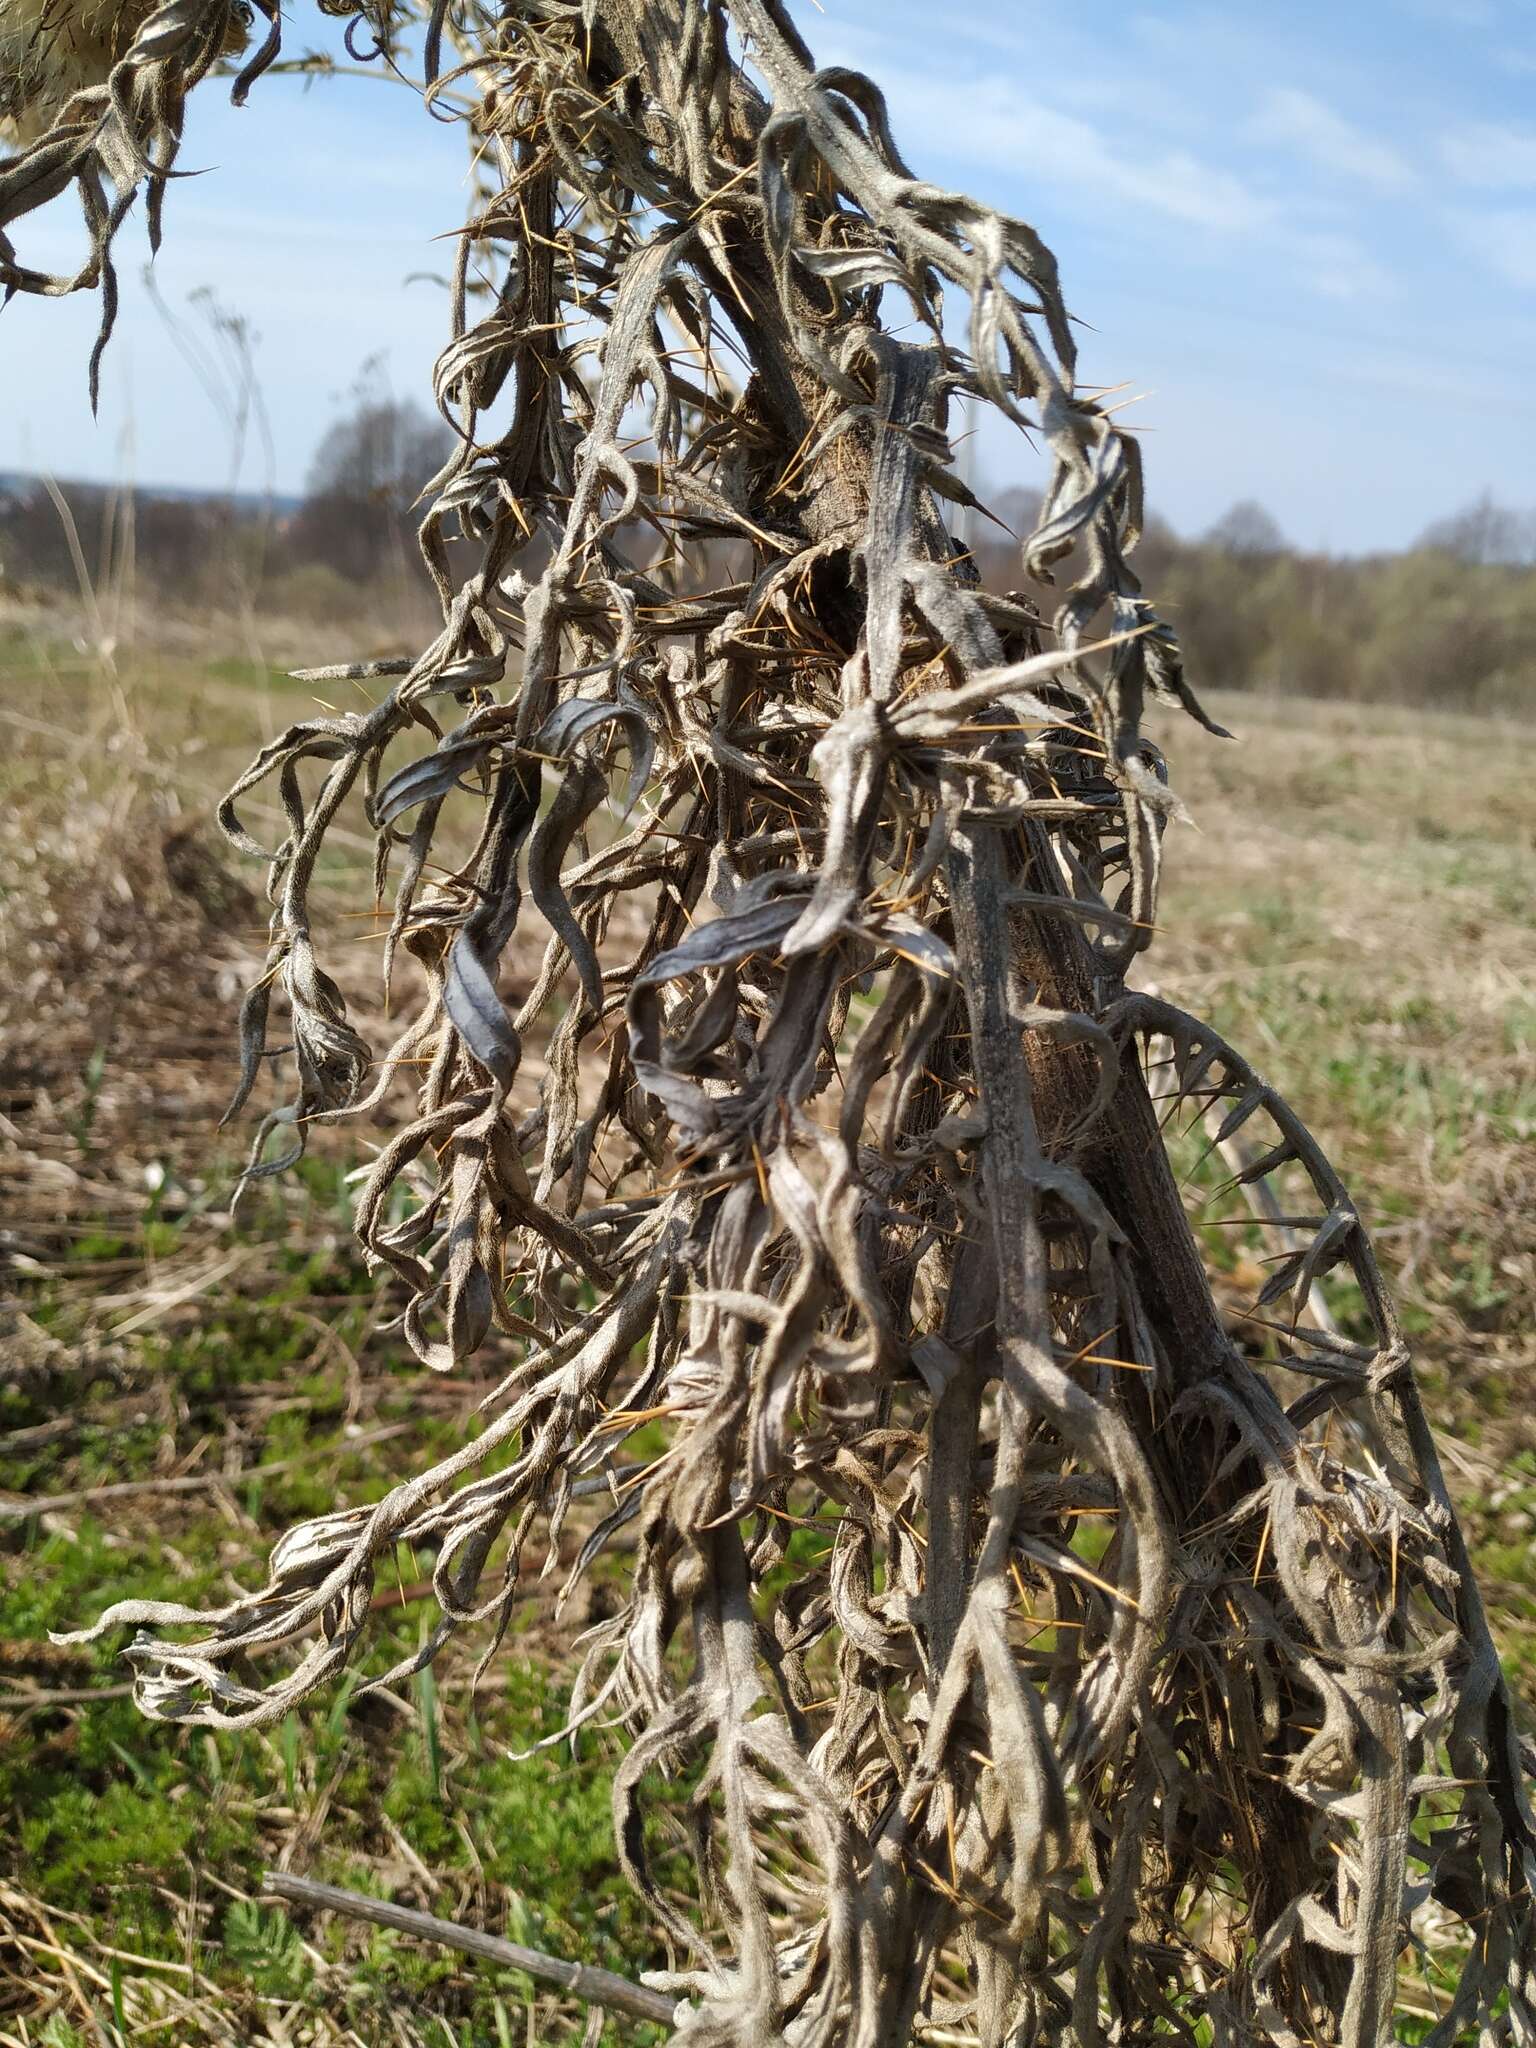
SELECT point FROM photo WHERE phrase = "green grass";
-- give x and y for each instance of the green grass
(120, 1824)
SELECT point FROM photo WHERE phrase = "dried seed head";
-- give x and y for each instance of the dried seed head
(52, 49)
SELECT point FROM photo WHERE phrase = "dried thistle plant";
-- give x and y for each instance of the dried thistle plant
(840, 1160)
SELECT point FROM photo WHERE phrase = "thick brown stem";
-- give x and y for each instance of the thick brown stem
(1125, 1159)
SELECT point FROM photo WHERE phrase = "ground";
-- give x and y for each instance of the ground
(1354, 911)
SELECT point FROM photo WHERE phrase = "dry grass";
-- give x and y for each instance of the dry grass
(1368, 937)
(1359, 983)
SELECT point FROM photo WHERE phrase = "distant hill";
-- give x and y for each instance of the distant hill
(15, 483)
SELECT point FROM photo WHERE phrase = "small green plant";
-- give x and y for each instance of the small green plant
(84, 1122)
(263, 1943)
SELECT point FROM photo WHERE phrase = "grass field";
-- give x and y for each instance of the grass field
(178, 1390)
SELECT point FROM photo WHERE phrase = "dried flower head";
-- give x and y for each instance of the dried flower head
(50, 50)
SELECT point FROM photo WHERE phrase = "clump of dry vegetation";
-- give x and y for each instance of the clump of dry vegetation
(50, 50)
(116, 1194)
(1021, 1655)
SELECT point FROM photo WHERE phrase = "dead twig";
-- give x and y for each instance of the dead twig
(591, 1985)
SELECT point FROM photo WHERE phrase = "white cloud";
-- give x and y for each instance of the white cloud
(1505, 241)
(1336, 265)
(984, 120)
(1486, 154)
(1410, 377)
(1456, 13)
(1114, 172)
(1312, 128)
(1169, 181)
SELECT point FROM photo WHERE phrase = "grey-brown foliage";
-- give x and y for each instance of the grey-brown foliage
(780, 1080)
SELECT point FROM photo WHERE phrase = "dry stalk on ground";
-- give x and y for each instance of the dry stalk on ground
(843, 1167)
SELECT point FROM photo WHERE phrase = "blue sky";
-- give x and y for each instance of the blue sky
(1307, 233)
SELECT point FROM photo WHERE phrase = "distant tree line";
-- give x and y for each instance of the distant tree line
(358, 515)
(352, 531)
(1451, 620)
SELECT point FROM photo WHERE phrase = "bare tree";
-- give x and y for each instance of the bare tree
(1485, 533)
(365, 480)
(805, 1112)
(1246, 528)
